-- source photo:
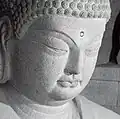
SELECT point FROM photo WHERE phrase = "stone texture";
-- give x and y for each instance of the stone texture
(119, 94)
(102, 92)
(113, 108)
(107, 73)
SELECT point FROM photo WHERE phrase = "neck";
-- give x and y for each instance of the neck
(40, 98)
(28, 109)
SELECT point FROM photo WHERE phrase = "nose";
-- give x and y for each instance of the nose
(74, 63)
(68, 71)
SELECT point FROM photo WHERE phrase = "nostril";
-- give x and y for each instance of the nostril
(66, 71)
(70, 72)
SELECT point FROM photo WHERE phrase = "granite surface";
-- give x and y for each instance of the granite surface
(104, 87)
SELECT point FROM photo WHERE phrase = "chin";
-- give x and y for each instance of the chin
(63, 94)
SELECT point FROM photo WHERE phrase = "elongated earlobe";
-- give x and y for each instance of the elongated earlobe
(5, 34)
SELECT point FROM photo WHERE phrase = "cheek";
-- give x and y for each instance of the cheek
(46, 68)
(49, 68)
(89, 66)
(33, 64)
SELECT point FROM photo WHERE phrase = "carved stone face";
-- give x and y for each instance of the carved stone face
(59, 50)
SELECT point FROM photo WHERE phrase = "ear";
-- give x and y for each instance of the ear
(5, 34)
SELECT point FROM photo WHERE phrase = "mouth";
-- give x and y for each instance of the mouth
(66, 81)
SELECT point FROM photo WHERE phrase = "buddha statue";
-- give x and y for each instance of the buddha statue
(48, 52)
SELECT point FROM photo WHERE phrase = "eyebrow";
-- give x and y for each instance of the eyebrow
(67, 36)
(60, 34)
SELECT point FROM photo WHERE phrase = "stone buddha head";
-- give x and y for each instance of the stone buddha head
(49, 48)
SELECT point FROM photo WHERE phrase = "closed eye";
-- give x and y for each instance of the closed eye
(93, 48)
(53, 45)
(54, 48)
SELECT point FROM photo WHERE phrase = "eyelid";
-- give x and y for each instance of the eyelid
(97, 39)
(60, 35)
(54, 47)
(94, 47)
(54, 43)
(92, 51)
(51, 51)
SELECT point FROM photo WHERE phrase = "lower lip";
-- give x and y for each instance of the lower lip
(66, 84)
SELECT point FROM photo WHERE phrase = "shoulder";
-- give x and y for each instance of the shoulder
(6, 112)
(94, 110)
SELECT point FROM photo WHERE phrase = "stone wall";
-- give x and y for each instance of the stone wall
(104, 87)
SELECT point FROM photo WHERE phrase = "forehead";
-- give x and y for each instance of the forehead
(72, 27)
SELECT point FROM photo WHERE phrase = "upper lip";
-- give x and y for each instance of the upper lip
(65, 78)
